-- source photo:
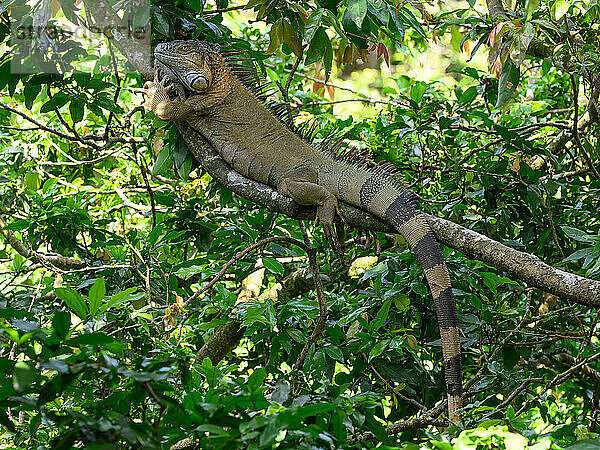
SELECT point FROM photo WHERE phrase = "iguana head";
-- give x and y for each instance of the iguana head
(196, 66)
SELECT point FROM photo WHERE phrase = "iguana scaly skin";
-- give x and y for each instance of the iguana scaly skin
(255, 142)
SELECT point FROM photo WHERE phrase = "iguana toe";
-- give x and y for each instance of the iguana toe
(325, 215)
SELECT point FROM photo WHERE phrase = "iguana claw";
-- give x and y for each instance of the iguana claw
(325, 215)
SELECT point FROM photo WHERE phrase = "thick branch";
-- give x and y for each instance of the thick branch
(227, 337)
(518, 265)
(537, 48)
(399, 427)
(107, 22)
(63, 262)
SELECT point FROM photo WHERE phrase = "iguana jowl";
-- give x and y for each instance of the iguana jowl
(257, 144)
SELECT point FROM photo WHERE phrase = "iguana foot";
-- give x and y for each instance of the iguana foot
(300, 184)
(325, 215)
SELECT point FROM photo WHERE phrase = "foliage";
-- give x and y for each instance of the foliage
(98, 345)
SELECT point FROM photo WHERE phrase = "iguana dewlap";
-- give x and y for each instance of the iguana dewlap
(257, 144)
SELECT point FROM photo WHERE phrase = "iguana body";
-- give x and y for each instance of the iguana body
(258, 145)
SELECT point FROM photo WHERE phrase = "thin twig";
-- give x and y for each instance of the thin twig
(389, 386)
(575, 128)
(240, 255)
(320, 325)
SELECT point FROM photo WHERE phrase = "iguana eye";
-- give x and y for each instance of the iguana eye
(198, 83)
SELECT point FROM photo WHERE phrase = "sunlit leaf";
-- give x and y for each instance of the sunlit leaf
(507, 85)
(73, 300)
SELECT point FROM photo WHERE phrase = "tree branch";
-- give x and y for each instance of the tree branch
(518, 265)
(537, 48)
(107, 22)
(62, 262)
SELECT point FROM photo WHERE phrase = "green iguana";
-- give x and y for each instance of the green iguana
(214, 95)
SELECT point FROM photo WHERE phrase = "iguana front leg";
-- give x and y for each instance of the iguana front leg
(172, 110)
(163, 107)
(301, 185)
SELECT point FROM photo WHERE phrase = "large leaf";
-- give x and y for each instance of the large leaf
(290, 37)
(73, 300)
(97, 293)
(61, 322)
(59, 99)
(320, 50)
(313, 24)
(122, 297)
(275, 36)
(509, 80)
(76, 108)
(24, 376)
(357, 11)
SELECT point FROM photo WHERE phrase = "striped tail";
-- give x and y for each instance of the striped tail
(413, 226)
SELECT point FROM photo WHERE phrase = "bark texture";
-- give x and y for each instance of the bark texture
(518, 265)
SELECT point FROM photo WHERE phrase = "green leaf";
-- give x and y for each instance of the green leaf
(578, 235)
(281, 393)
(141, 17)
(61, 322)
(297, 335)
(468, 95)
(577, 255)
(120, 298)
(48, 184)
(107, 103)
(17, 261)
(33, 181)
(76, 108)
(155, 234)
(4, 419)
(188, 271)
(70, 11)
(163, 161)
(417, 91)
(275, 36)
(23, 376)
(73, 300)
(59, 99)
(489, 279)
(320, 50)
(380, 10)
(382, 315)
(5, 72)
(273, 266)
(97, 293)
(312, 25)
(160, 22)
(30, 92)
(266, 8)
(256, 379)
(559, 8)
(195, 5)
(357, 11)
(290, 37)
(531, 6)
(408, 17)
(212, 373)
(97, 339)
(509, 80)
(182, 157)
(334, 353)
